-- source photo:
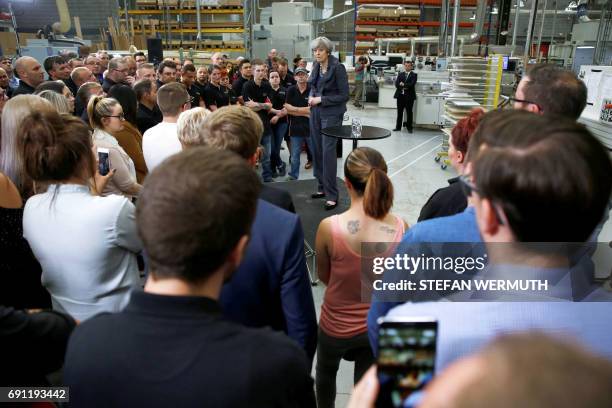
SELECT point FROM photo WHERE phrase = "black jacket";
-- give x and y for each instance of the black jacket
(446, 201)
(409, 81)
(33, 345)
(23, 89)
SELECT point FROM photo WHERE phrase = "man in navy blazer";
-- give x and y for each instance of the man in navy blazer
(271, 287)
(405, 95)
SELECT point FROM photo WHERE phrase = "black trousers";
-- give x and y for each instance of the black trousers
(404, 102)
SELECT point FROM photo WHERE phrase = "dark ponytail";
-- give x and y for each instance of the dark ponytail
(54, 146)
(366, 170)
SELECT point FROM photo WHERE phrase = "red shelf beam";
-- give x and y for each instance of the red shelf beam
(415, 2)
(410, 24)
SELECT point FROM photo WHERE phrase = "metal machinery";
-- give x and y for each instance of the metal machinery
(287, 27)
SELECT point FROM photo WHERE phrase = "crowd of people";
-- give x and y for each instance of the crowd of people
(180, 278)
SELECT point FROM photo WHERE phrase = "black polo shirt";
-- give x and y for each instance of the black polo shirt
(147, 118)
(278, 98)
(288, 81)
(259, 93)
(164, 351)
(298, 125)
(216, 96)
(195, 94)
(238, 84)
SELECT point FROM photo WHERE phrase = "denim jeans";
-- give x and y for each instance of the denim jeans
(266, 142)
(278, 133)
(296, 150)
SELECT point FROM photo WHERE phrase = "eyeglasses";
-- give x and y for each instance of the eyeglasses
(513, 100)
(468, 187)
(120, 117)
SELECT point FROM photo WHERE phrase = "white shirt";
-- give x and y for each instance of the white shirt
(86, 246)
(159, 143)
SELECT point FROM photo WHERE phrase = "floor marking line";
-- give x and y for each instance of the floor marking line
(415, 160)
(412, 149)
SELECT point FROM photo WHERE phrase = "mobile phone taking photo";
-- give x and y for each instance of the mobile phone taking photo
(406, 359)
(103, 161)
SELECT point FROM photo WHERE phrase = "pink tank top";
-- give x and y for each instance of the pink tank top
(343, 315)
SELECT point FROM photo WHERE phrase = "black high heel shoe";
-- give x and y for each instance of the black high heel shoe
(329, 206)
(317, 195)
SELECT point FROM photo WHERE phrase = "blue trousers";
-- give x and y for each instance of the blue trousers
(296, 150)
(278, 134)
(266, 142)
(324, 152)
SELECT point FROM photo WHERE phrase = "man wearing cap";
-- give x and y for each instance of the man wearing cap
(299, 114)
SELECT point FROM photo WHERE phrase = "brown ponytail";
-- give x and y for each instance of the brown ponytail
(378, 195)
(55, 147)
(366, 170)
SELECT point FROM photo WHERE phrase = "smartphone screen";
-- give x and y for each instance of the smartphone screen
(103, 161)
(406, 359)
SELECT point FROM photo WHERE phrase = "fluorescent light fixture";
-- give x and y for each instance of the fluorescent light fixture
(348, 3)
(585, 46)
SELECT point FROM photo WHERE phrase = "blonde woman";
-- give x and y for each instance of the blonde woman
(59, 101)
(11, 161)
(105, 118)
(189, 125)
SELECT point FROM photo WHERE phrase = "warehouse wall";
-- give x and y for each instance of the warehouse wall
(32, 15)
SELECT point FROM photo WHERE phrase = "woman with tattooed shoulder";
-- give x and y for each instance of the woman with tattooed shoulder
(343, 328)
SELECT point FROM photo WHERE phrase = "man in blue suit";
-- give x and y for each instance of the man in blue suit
(271, 287)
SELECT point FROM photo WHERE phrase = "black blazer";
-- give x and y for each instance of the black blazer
(409, 81)
(334, 90)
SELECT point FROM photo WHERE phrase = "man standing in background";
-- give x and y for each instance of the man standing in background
(405, 95)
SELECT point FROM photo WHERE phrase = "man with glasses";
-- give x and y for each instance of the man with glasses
(161, 141)
(117, 74)
(462, 227)
(547, 89)
(92, 63)
(521, 194)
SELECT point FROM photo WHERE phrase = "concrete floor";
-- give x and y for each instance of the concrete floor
(415, 176)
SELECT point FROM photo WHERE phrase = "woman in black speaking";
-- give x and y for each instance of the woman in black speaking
(329, 92)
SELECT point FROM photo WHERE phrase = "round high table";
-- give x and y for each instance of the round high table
(367, 133)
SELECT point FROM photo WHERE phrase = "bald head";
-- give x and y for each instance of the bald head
(29, 71)
(82, 75)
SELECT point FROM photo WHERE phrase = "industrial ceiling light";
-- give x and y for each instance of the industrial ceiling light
(348, 3)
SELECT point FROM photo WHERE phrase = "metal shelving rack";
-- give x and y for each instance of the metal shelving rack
(176, 23)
